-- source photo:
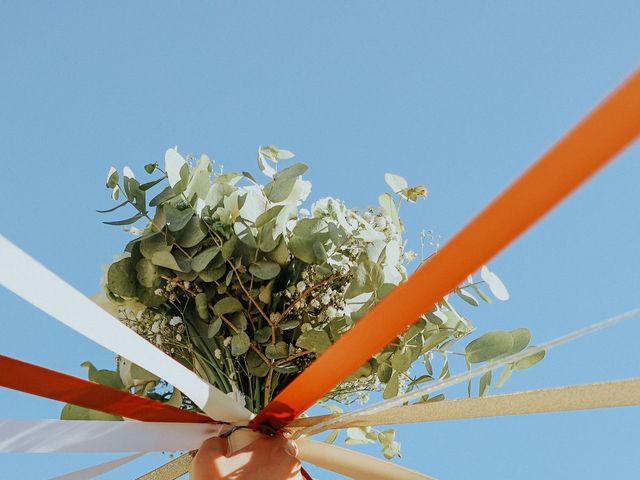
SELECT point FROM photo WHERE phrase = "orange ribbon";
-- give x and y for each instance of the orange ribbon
(43, 382)
(607, 130)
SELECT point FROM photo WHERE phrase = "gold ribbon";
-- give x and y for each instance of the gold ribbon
(621, 393)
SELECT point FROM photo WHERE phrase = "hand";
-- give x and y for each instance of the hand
(271, 458)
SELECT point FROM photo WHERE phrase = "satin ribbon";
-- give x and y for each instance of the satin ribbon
(49, 436)
(621, 393)
(606, 131)
(36, 380)
(100, 469)
(30, 280)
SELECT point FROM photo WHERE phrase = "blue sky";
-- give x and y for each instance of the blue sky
(460, 96)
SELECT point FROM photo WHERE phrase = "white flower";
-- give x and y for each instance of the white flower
(227, 341)
(155, 328)
(301, 286)
(331, 312)
(179, 337)
(315, 303)
(175, 321)
(158, 291)
(217, 353)
(326, 298)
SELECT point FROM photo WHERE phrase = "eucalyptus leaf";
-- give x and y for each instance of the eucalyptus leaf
(240, 343)
(489, 346)
(392, 387)
(316, 341)
(264, 270)
(227, 305)
(177, 219)
(203, 259)
(214, 327)
(121, 278)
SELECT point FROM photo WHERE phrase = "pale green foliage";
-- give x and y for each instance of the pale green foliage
(236, 281)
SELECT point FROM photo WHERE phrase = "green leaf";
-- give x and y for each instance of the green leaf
(227, 305)
(177, 219)
(277, 351)
(489, 346)
(142, 375)
(165, 259)
(316, 341)
(147, 273)
(263, 335)
(467, 297)
(103, 377)
(331, 438)
(149, 185)
(112, 178)
(368, 277)
(485, 382)
(288, 325)
(164, 196)
(120, 205)
(401, 360)
(266, 292)
(213, 273)
(279, 189)
(388, 207)
(521, 338)
(280, 254)
(202, 259)
(269, 215)
(384, 373)
(265, 270)
(150, 168)
(392, 387)
(154, 243)
(228, 247)
(255, 365)
(294, 171)
(240, 343)
(121, 278)
(529, 361)
(214, 327)
(127, 221)
(239, 320)
(202, 306)
(191, 234)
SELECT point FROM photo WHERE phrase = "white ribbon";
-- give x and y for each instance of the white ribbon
(30, 280)
(49, 436)
(95, 470)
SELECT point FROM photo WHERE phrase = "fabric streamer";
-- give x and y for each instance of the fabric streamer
(621, 393)
(30, 280)
(96, 470)
(49, 436)
(28, 378)
(604, 133)
(476, 372)
(339, 460)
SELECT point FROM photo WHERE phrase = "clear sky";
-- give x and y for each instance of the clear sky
(460, 96)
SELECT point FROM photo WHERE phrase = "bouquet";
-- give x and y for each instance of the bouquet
(242, 284)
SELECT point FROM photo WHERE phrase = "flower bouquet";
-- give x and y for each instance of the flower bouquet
(241, 284)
